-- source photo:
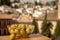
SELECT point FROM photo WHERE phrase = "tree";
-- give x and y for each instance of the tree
(19, 1)
(36, 3)
(46, 27)
(8, 2)
(49, 26)
(15, 1)
(53, 3)
(57, 30)
(40, 4)
(5, 2)
(36, 28)
(47, 4)
(0, 2)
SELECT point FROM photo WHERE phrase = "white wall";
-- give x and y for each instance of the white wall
(54, 26)
(39, 25)
(59, 9)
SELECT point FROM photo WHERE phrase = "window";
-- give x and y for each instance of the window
(9, 22)
(4, 23)
(4, 32)
(0, 32)
(0, 22)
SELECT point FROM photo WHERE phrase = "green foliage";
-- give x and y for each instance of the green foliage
(47, 4)
(36, 27)
(57, 30)
(0, 2)
(36, 3)
(46, 27)
(53, 3)
(17, 1)
(5, 2)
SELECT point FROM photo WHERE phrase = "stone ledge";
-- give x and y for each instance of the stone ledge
(32, 38)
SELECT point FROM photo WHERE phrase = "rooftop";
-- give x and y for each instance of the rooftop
(7, 16)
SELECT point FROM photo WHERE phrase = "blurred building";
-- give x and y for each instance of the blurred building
(10, 16)
(5, 20)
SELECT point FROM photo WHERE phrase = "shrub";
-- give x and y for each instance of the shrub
(46, 27)
(36, 27)
(57, 30)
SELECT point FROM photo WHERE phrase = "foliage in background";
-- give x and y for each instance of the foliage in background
(38, 3)
(36, 27)
(57, 30)
(5, 2)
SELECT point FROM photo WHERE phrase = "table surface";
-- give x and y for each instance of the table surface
(32, 38)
